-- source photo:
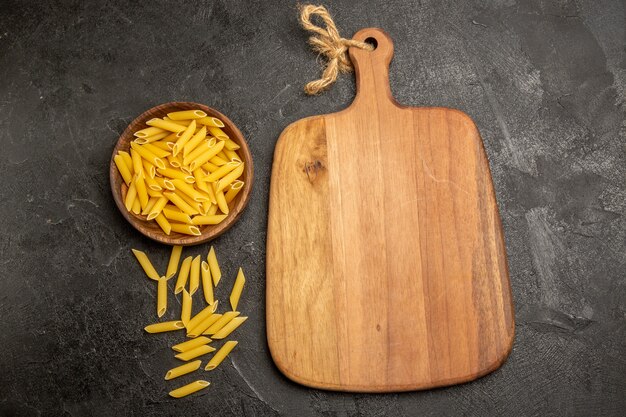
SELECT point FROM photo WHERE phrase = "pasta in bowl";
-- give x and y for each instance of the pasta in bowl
(181, 173)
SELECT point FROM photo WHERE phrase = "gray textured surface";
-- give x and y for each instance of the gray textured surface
(545, 82)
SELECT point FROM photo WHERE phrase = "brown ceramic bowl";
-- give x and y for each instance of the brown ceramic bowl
(150, 228)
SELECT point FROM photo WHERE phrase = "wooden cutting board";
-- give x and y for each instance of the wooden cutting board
(386, 265)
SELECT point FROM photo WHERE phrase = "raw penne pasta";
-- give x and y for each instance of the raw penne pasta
(183, 370)
(223, 321)
(185, 314)
(174, 174)
(216, 273)
(172, 265)
(194, 275)
(203, 220)
(184, 138)
(163, 224)
(194, 141)
(152, 138)
(201, 316)
(218, 161)
(142, 192)
(228, 179)
(221, 202)
(174, 161)
(186, 229)
(210, 166)
(149, 131)
(234, 189)
(176, 215)
(220, 355)
(165, 125)
(194, 353)
(230, 146)
(128, 161)
(123, 169)
(189, 190)
(206, 156)
(206, 206)
(164, 183)
(180, 203)
(161, 296)
(162, 145)
(136, 207)
(183, 274)
(235, 294)
(211, 121)
(198, 151)
(146, 154)
(156, 194)
(223, 156)
(151, 202)
(212, 210)
(222, 171)
(193, 203)
(207, 284)
(152, 184)
(191, 344)
(229, 328)
(137, 163)
(209, 322)
(186, 114)
(158, 207)
(166, 326)
(161, 153)
(189, 389)
(218, 133)
(145, 263)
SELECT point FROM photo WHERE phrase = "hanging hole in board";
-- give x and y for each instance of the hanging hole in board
(372, 41)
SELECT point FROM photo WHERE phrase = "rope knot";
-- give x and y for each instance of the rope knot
(327, 42)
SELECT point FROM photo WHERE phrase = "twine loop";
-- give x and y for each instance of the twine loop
(327, 42)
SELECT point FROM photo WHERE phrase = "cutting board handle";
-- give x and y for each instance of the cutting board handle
(371, 68)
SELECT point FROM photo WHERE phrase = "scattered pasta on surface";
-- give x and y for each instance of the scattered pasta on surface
(182, 171)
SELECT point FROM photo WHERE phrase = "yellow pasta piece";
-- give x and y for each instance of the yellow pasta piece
(164, 183)
(201, 316)
(142, 192)
(223, 156)
(151, 202)
(218, 133)
(194, 275)
(228, 179)
(198, 151)
(152, 184)
(189, 190)
(206, 326)
(191, 344)
(207, 284)
(155, 150)
(185, 314)
(174, 161)
(189, 389)
(137, 163)
(147, 132)
(145, 263)
(172, 265)
(183, 274)
(146, 154)
(154, 139)
(186, 114)
(128, 160)
(216, 274)
(212, 210)
(136, 207)
(177, 215)
(209, 322)
(156, 194)
(235, 294)
(218, 161)
(222, 171)
(163, 224)
(166, 326)
(229, 328)
(183, 370)
(174, 174)
(162, 145)
(205, 156)
(180, 203)
(193, 203)
(234, 189)
(221, 202)
(194, 141)
(229, 148)
(161, 296)
(186, 229)
(209, 219)
(211, 121)
(223, 321)
(211, 167)
(220, 355)
(158, 207)
(165, 125)
(194, 353)
(184, 138)
(123, 169)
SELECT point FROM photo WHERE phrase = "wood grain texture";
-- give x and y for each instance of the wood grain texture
(150, 228)
(386, 265)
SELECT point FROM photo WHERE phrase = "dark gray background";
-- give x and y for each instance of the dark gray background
(544, 80)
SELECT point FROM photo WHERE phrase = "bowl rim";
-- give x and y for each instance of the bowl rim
(115, 178)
